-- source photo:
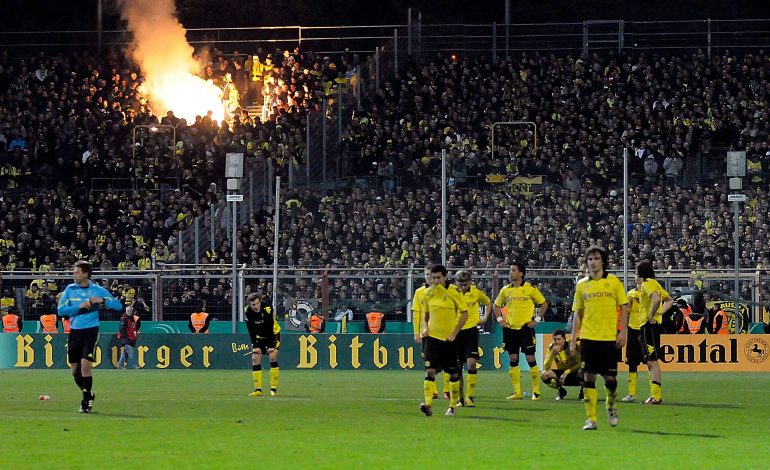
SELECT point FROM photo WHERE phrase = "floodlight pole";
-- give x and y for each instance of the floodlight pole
(234, 252)
(625, 217)
(443, 207)
(276, 224)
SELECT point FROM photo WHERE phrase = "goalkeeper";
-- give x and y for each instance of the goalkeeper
(566, 366)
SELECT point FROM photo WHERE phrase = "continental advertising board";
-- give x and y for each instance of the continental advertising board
(687, 353)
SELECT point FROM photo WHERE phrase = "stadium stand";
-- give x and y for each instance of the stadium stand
(67, 122)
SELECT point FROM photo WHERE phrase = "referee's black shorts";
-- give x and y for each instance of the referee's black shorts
(599, 357)
(440, 355)
(82, 344)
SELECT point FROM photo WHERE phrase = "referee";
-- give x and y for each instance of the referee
(80, 301)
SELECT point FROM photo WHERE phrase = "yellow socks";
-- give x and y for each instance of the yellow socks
(515, 373)
(275, 374)
(611, 395)
(656, 390)
(428, 387)
(632, 377)
(256, 374)
(591, 397)
(471, 381)
(447, 387)
(454, 393)
(534, 372)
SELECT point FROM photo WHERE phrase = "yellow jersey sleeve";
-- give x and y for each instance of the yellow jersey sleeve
(635, 319)
(417, 309)
(577, 302)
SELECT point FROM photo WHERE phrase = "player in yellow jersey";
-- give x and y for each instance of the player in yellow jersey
(443, 315)
(597, 299)
(566, 365)
(417, 316)
(653, 301)
(634, 352)
(519, 298)
(468, 338)
(265, 334)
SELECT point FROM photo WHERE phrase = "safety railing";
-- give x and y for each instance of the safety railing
(174, 291)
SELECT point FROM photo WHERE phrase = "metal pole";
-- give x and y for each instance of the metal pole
(395, 50)
(270, 177)
(196, 223)
(234, 251)
(443, 207)
(507, 26)
(377, 67)
(339, 113)
(625, 217)
(323, 140)
(307, 149)
(708, 35)
(409, 32)
(99, 24)
(409, 290)
(494, 40)
(251, 192)
(179, 248)
(212, 242)
(736, 242)
(276, 223)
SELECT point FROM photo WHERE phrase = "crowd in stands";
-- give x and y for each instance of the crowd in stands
(68, 121)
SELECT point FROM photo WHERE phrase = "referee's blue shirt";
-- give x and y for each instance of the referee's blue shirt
(74, 295)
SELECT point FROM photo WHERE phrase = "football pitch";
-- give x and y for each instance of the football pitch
(357, 419)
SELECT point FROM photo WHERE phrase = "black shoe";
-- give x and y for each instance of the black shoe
(83, 406)
(426, 409)
(91, 401)
(562, 393)
(580, 395)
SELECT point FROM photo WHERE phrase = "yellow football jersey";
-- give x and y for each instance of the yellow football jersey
(645, 299)
(520, 302)
(444, 306)
(472, 299)
(599, 300)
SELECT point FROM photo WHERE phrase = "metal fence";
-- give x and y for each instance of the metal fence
(420, 39)
(206, 232)
(174, 292)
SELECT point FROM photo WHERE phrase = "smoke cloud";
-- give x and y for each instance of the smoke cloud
(165, 58)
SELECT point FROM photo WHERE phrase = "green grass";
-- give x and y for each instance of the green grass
(369, 419)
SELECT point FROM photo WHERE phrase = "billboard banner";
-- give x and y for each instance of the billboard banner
(713, 353)
(680, 353)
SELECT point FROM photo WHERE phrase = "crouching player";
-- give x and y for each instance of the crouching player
(265, 333)
(565, 363)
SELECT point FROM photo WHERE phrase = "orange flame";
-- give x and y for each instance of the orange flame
(166, 61)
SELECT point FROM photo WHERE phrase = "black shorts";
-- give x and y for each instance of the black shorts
(467, 344)
(599, 357)
(440, 355)
(522, 339)
(266, 343)
(571, 380)
(651, 341)
(82, 344)
(634, 351)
